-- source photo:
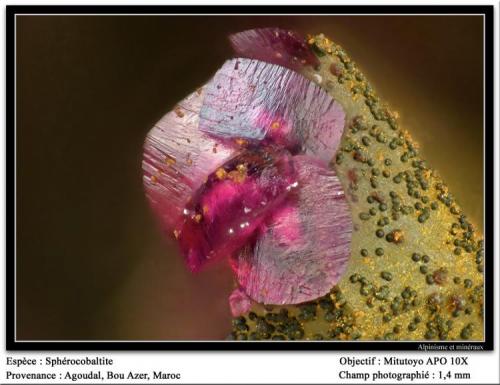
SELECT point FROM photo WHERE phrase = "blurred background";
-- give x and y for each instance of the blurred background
(91, 262)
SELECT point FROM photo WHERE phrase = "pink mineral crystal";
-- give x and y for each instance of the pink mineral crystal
(274, 45)
(239, 169)
(233, 202)
(260, 101)
(177, 159)
(303, 247)
(239, 302)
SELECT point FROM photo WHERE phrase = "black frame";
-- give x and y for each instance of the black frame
(12, 344)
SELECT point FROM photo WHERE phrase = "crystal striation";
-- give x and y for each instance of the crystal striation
(177, 158)
(303, 248)
(274, 45)
(259, 101)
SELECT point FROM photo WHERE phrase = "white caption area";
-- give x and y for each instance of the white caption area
(256, 367)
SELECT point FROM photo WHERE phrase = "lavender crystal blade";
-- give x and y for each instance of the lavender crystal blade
(260, 101)
(304, 248)
(177, 158)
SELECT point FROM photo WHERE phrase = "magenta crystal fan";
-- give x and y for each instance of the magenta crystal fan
(225, 212)
(239, 171)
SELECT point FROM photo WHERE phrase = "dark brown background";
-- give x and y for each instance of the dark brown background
(91, 264)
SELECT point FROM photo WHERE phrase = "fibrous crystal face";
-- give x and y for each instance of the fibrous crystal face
(264, 102)
(274, 45)
(303, 247)
(177, 158)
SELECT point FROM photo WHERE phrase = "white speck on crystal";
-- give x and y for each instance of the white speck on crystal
(317, 78)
